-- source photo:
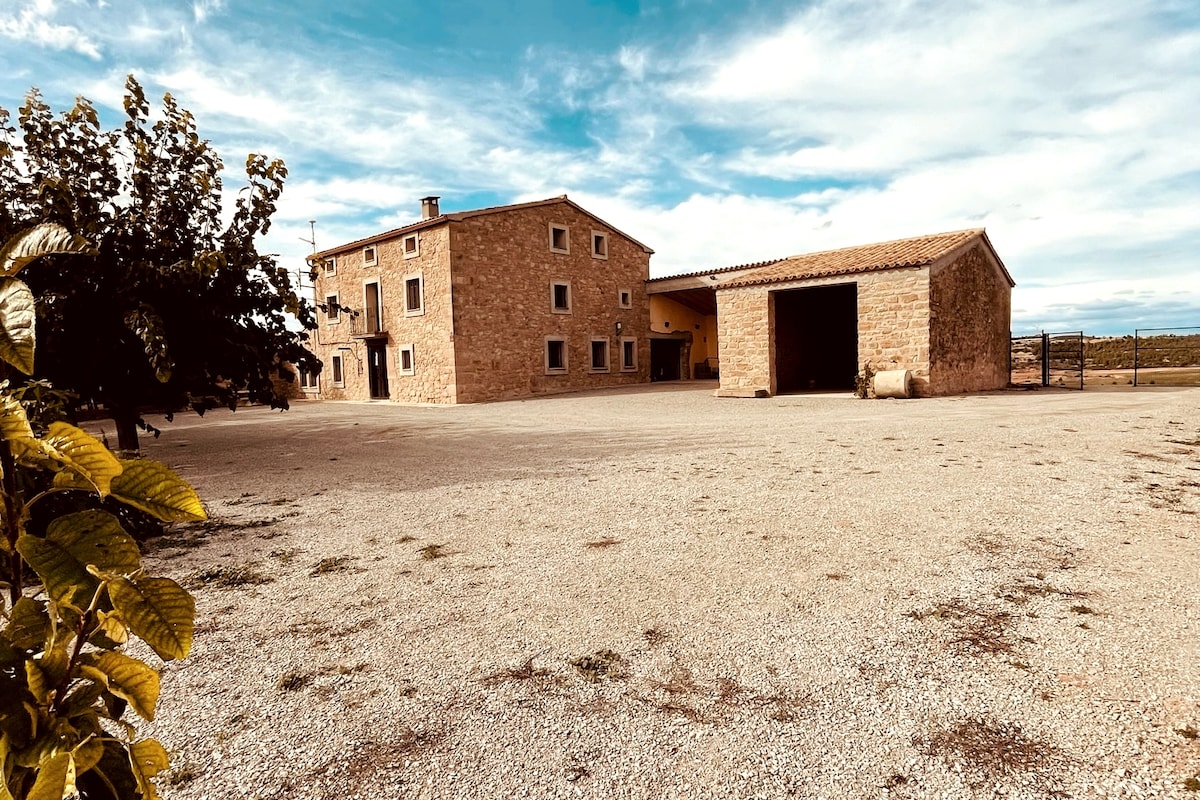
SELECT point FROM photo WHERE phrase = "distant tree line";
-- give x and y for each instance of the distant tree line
(1166, 350)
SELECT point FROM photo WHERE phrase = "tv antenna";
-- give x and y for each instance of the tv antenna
(312, 242)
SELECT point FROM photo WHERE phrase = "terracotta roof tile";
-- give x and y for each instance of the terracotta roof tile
(918, 251)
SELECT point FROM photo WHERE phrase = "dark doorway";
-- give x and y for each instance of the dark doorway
(816, 338)
(377, 376)
(665, 358)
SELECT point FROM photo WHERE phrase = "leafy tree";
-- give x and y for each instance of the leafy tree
(178, 308)
(72, 589)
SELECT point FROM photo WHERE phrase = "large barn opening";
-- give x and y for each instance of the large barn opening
(816, 338)
(666, 356)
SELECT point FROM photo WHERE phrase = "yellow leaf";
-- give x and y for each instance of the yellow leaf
(112, 627)
(17, 320)
(128, 679)
(96, 538)
(28, 624)
(84, 454)
(157, 490)
(158, 610)
(14, 423)
(55, 779)
(40, 240)
(148, 759)
(5, 794)
(35, 679)
(88, 755)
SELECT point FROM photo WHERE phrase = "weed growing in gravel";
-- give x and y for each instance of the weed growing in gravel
(836, 576)
(654, 637)
(431, 551)
(332, 564)
(984, 630)
(292, 681)
(525, 672)
(607, 541)
(602, 664)
(1192, 784)
(1188, 732)
(1082, 609)
(227, 577)
(989, 749)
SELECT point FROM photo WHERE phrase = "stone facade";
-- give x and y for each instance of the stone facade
(487, 319)
(946, 321)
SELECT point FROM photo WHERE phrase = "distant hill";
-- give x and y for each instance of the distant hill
(1167, 350)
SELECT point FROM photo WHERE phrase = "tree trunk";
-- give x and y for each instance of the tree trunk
(127, 435)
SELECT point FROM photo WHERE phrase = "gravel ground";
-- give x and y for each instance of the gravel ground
(653, 593)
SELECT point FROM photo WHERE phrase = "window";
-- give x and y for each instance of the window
(560, 297)
(330, 266)
(333, 311)
(599, 244)
(560, 239)
(628, 354)
(369, 259)
(308, 380)
(412, 246)
(373, 305)
(624, 298)
(556, 355)
(408, 364)
(599, 350)
(414, 295)
(335, 364)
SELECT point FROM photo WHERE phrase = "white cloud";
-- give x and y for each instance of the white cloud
(34, 24)
(202, 9)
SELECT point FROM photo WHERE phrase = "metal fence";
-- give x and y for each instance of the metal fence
(1047, 359)
(1169, 356)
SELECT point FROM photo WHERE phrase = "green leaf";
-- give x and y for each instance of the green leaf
(28, 624)
(40, 240)
(157, 490)
(148, 759)
(55, 779)
(17, 319)
(129, 679)
(147, 325)
(97, 538)
(84, 454)
(158, 610)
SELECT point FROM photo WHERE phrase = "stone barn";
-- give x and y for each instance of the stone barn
(938, 306)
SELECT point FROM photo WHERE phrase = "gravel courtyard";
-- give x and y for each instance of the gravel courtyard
(654, 593)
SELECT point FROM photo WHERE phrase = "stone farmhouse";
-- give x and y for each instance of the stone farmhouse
(938, 306)
(496, 303)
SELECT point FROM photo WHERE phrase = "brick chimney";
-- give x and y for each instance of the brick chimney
(429, 207)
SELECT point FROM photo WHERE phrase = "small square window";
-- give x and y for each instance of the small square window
(599, 353)
(335, 365)
(369, 259)
(560, 239)
(624, 298)
(560, 297)
(412, 246)
(628, 355)
(407, 358)
(414, 295)
(308, 380)
(556, 355)
(333, 311)
(599, 244)
(330, 266)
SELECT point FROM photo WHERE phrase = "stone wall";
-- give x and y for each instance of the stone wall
(893, 319)
(503, 269)
(429, 332)
(970, 308)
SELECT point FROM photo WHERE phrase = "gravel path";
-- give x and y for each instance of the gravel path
(653, 593)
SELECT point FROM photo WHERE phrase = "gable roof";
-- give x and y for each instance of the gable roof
(919, 251)
(459, 216)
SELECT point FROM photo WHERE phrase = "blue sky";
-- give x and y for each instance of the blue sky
(717, 132)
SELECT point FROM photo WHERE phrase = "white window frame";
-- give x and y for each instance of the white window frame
(622, 303)
(555, 309)
(306, 385)
(554, 226)
(416, 240)
(374, 258)
(337, 364)
(629, 367)
(366, 314)
(595, 340)
(546, 355)
(410, 349)
(419, 277)
(602, 252)
(333, 314)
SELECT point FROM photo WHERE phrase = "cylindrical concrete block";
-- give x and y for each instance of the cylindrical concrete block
(893, 383)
